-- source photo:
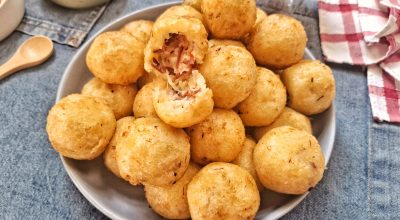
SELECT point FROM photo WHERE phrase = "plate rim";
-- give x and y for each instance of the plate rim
(281, 211)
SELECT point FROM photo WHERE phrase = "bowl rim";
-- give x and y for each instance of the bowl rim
(279, 212)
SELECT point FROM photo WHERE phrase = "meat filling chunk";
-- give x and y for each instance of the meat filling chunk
(175, 59)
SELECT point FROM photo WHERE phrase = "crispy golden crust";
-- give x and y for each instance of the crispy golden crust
(110, 155)
(182, 11)
(185, 112)
(265, 102)
(219, 137)
(116, 58)
(310, 85)
(261, 15)
(153, 153)
(143, 104)
(288, 160)
(278, 41)
(230, 72)
(288, 117)
(145, 79)
(193, 30)
(245, 160)
(171, 201)
(223, 191)
(196, 4)
(228, 19)
(80, 127)
(218, 42)
(140, 29)
(119, 98)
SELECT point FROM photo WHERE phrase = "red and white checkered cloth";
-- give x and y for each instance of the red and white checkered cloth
(366, 32)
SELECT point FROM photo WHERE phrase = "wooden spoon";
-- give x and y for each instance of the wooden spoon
(32, 52)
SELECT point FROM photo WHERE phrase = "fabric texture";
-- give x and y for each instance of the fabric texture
(361, 180)
(366, 32)
(62, 25)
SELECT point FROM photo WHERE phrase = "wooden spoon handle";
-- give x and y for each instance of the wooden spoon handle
(10, 67)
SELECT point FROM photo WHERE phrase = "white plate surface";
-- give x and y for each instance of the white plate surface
(119, 200)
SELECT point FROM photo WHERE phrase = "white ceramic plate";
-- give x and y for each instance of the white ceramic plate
(119, 200)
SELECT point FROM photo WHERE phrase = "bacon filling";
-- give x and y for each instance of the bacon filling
(175, 59)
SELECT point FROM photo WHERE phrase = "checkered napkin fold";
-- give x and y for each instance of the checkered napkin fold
(366, 32)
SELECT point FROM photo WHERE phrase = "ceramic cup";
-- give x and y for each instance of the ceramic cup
(79, 3)
(11, 14)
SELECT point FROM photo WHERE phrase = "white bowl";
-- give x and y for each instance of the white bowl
(119, 200)
(79, 3)
(11, 14)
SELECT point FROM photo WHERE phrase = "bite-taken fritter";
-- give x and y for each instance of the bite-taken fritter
(288, 117)
(181, 112)
(230, 72)
(278, 41)
(196, 4)
(110, 155)
(289, 160)
(173, 53)
(182, 11)
(140, 29)
(120, 98)
(245, 160)
(171, 201)
(153, 153)
(223, 191)
(310, 85)
(116, 57)
(219, 137)
(80, 127)
(143, 104)
(265, 102)
(227, 19)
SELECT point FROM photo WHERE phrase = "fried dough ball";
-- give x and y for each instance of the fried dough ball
(260, 15)
(310, 85)
(278, 41)
(140, 29)
(171, 201)
(218, 42)
(229, 19)
(182, 110)
(119, 98)
(182, 11)
(178, 44)
(219, 137)
(116, 57)
(80, 127)
(153, 153)
(110, 155)
(196, 4)
(265, 102)
(289, 160)
(230, 72)
(143, 104)
(144, 79)
(288, 117)
(223, 191)
(245, 160)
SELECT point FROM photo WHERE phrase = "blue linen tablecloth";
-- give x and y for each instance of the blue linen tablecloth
(362, 179)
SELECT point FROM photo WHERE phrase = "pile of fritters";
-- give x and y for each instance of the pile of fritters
(205, 107)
